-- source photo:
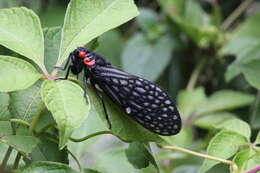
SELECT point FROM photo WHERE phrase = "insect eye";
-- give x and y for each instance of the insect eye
(82, 54)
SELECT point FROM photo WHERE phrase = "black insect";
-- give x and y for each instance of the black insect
(142, 100)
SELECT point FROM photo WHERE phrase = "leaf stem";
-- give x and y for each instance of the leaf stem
(228, 162)
(254, 170)
(255, 106)
(236, 13)
(90, 136)
(76, 160)
(18, 121)
(17, 160)
(195, 74)
(7, 156)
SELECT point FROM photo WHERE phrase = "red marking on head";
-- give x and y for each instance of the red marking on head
(89, 62)
(82, 54)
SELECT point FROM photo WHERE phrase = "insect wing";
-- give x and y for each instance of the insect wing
(142, 100)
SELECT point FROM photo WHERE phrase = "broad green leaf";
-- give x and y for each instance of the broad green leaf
(257, 140)
(24, 144)
(249, 28)
(246, 159)
(225, 100)
(238, 126)
(224, 145)
(52, 37)
(252, 71)
(88, 19)
(20, 31)
(110, 46)
(64, 99)
(213, 120)
(46, 167)
(48, 151)
(139, 54)
(123, 126)
(5, 128)
(4, 107)
(16, 74)
(139, 156)
(27, 104)
(190, 100)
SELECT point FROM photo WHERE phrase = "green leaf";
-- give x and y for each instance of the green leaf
(235, 125)
(88, 19)
(46, 167)
(225, 100)
(48, 151)
(52, 37)
(110, 46)
(16, 74)
(20, 31)
(251, 72)
(24, 144)
(139, 53)
(4, 104)
(249, 28)
(224, 145)
(27, 104)
(246, 159)
(139, 156)
(123, 126)
(257, 140)
(5, 128)
(190, 100)
(212, 120)
(64, 99)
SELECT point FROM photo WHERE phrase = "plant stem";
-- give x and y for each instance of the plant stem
(22, 122)
(254, 170)
(45, 128)
(90, 136)
(17, 160)
(195, 74)
(255, 106)
(175, 148)
(76, 160)
(236, 13)
(7, 156)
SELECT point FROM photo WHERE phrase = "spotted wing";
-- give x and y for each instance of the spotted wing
(140, 99)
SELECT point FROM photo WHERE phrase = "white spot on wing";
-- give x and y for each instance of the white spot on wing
(128, 110)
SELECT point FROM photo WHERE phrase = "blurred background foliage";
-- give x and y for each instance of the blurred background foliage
(204, 53)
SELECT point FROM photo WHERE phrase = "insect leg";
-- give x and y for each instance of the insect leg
(85, 80)
(66, 65)
(103, 103)
(66, 76)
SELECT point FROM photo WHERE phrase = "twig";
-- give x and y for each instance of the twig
(90, 136)
(195, 74)
(75, 158)
(17, 160)
(228, 162)
(254, 170)
(236, 13)
(7, 156)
